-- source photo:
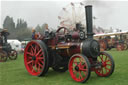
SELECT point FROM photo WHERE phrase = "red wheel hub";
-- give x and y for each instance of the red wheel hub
(34, 58)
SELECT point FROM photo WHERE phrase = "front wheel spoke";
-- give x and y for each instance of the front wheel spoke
(84, 72)
(101, 57)
(82, 69)
(107, 61)
(80, 60)
(107, 68)
(80, 76)
(75, 63)
(75, 72)
(83, 65)
(106, 58)
(109, 64)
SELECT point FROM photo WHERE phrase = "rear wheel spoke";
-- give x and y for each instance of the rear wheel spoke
(30, 62)
(39, 52)
(40, 58)
(32, 52)
(40, 65)
(35, 50)
(36, 66)
(32, 49)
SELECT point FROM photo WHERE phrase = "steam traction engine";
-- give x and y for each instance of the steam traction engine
(71, 50)
(5, 48)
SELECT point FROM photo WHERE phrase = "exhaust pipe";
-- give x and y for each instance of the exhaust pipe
(89, 23)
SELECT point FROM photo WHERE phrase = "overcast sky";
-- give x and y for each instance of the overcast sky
(109, 13)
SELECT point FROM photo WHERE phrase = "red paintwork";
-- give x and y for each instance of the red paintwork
(80, 74)
(75, 35)
(34, 67)
(106, 65)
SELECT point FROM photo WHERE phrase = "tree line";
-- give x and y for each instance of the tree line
(20, 29)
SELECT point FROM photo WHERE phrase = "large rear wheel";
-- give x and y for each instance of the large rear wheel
(107, 65)
(36, 58)
(79, 68)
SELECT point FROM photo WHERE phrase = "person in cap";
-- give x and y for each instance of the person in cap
(5, 33)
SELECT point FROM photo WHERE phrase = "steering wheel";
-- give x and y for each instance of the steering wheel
(65, 30)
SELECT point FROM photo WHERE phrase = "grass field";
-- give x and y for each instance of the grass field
(14, 73)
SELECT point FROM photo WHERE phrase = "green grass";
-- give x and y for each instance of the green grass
(14, 73)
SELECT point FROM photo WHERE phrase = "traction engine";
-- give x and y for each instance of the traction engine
(6, 50)
(69, 50)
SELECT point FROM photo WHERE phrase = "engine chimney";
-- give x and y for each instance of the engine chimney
(89, 24)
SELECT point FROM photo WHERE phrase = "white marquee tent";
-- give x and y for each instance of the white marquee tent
(16, 44)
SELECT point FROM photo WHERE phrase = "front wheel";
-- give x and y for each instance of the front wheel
(79, 68)
(107, 65)
(13, 55)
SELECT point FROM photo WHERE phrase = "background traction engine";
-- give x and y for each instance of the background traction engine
(6, 50)
(71, 50)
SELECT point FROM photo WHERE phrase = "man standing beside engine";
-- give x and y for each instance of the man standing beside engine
(5, 33)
